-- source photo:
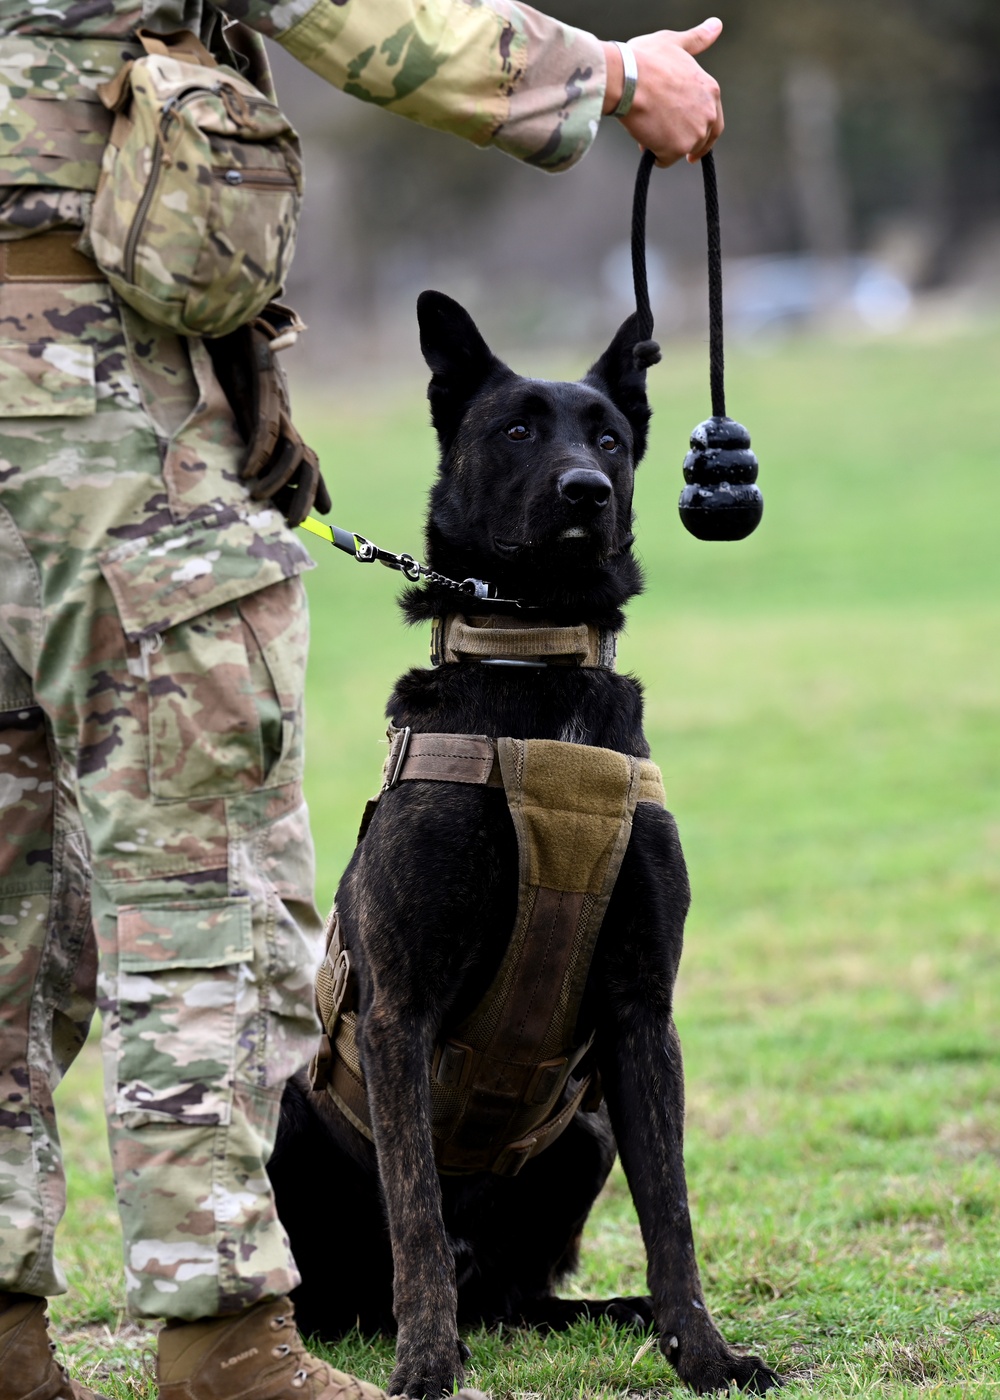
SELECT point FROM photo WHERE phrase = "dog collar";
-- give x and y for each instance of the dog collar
(511, 641)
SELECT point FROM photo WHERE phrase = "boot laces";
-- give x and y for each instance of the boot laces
(53, 1348)
(308, 1365)
(308, 1368)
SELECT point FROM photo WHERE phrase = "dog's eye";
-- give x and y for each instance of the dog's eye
(608, 442)
(517, 432)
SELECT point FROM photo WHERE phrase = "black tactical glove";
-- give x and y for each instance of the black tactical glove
(278, 465)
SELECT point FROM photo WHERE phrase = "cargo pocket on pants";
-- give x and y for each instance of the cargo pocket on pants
(184, 987)
(216, 614)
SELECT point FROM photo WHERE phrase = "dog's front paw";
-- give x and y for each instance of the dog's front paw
(705, 1362)
(429, 1371)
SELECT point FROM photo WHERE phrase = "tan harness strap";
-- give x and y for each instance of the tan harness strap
(441, 758)
(572, 809)
(510, 1159)
(472, 758)
(337, 1066)
(651, 787)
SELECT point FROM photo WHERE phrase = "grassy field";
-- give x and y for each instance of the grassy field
(824, 700)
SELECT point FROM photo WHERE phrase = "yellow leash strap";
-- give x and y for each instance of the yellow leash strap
(350, 543)
(316, 527)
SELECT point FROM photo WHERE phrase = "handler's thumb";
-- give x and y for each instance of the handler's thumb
(702, 37)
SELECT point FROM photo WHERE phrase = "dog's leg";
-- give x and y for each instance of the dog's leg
(423, 896)
(395, 1044)
(645, 1093)
(329, 1202)
(643, 1074)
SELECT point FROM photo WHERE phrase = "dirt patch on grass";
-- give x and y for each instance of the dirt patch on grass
(916, 1363)
(970, 1137)
(98, 1352)
(127, 1333)
(979, 1323)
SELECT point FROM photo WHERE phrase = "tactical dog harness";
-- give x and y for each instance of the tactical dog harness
(498, 1078)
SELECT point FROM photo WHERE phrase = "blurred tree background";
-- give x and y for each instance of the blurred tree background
(855, 128)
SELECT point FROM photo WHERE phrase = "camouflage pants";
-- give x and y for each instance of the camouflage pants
(152, 647)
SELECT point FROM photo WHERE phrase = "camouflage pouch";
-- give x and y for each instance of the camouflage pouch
(198, 200)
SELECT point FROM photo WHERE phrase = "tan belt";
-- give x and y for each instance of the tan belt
(47, 257)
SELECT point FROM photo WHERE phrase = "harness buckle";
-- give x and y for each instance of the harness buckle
(402, 738)
(339, 972)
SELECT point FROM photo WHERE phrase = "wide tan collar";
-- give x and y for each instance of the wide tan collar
(457, 638)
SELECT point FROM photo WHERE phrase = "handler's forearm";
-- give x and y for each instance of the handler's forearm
(495, 72)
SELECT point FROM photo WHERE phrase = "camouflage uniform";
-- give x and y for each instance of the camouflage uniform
(152, 643)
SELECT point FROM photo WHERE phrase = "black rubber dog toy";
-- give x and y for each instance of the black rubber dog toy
(720, 500)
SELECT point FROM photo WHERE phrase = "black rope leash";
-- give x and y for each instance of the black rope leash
(720, 500)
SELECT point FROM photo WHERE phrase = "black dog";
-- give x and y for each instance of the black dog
(534, 494)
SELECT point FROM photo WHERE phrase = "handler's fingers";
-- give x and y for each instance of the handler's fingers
(702, 37)
(713, 134)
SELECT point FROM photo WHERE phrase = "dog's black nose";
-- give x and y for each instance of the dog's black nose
(585, 486)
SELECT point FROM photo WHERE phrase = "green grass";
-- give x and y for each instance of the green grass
(823, 700)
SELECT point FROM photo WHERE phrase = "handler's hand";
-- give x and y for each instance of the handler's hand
(677, 109)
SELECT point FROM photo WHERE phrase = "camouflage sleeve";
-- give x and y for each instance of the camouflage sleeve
(492, 71)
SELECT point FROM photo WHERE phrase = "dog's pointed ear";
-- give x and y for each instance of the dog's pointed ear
(621, 374)
(458, 357)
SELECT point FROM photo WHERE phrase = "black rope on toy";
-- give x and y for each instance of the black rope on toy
(716, 354)
(644, 330)
(720, 500)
